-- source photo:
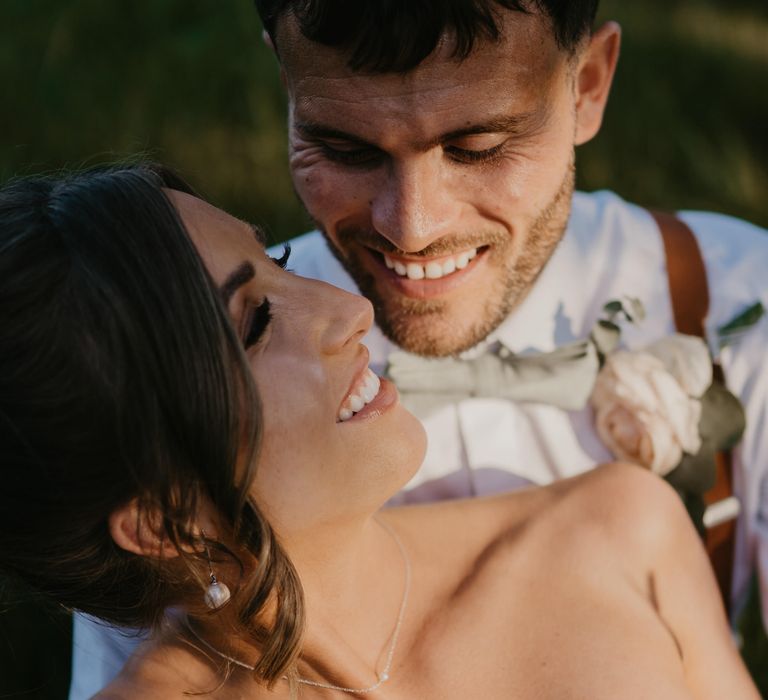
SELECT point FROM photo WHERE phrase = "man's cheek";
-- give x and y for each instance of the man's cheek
(313, 185)
(331, 198)
(527, 182)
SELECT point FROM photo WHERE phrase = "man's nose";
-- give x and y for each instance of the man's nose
(413, 205)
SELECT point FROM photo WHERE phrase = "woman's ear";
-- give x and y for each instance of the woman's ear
(594, 75)
(138, 530)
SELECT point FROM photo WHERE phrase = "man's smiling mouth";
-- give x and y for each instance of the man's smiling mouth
(433, 268)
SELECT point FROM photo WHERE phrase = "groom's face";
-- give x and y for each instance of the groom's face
(444, 190)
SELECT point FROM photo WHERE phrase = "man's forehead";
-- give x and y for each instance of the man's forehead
(525, 51)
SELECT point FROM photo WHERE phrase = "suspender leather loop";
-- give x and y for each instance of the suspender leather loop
(689, 294)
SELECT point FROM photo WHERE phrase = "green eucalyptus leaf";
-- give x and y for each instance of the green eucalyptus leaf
(636, 309)
(613, 307)
(722, 418)
(740, 324)
(721, 426)
(695, 474)
(744, 320)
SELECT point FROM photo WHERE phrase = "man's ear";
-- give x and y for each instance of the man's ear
(267, 39)
(135, 530)
(594, 75)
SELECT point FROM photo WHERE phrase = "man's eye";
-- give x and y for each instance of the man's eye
(363, 155)
(258, 320)
(486, 155)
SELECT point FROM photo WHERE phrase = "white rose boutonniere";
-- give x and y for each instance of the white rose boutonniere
(663, 407)
(646, 403)
(687, 359)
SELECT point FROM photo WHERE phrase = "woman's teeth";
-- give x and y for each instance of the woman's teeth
(363, 393)
(432, 270)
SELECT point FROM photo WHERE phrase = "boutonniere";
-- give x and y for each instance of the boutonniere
(661, 407)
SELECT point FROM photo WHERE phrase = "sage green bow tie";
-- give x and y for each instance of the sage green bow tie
(563, 378)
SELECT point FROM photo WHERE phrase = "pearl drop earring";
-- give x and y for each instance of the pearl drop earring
(217, 594)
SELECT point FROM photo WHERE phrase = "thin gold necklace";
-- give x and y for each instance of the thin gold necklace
(382, 677)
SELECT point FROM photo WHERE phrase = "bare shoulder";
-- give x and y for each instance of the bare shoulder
(469, 524)
(622, 507)
(642, 526)
(122, 690)
(615, 502)
(160, 670)
(130, 685)
(615, 520)
(620, 496)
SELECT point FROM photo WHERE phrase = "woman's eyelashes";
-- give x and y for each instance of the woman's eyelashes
(260, 315)
(282, 261)
(258, 320)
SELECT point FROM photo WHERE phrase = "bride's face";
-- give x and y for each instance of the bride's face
(302, 339)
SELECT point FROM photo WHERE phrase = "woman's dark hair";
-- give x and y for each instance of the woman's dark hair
(385, 36)
(121, 377)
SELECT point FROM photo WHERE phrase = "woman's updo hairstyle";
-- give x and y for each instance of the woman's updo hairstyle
(121, 377)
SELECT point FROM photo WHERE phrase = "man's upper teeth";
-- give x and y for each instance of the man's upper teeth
(362, 393)
(433, 270)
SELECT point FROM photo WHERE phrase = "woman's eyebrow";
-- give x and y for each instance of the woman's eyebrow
(258, 233)
(242, 274)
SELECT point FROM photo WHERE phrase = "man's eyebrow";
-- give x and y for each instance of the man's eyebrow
(502, 124)
(505, 123)
(320, 131)
(242, 274)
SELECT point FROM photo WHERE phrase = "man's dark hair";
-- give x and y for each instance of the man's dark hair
(394, 36)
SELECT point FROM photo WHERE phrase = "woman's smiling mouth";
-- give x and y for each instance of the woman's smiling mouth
(362, 393)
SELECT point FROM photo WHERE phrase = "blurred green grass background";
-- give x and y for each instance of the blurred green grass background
(190, 84)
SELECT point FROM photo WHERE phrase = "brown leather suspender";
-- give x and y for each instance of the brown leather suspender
(689, 293)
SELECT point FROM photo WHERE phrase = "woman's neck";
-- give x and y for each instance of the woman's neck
(354, 581)
(353, 595)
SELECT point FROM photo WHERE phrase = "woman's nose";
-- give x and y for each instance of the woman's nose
(344, 318)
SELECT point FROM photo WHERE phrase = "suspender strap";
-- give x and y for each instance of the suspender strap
(688, 289)
(689, 293)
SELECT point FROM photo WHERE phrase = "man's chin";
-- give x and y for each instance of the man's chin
(431, 335)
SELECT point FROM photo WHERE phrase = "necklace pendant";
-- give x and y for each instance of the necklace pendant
(383, 677)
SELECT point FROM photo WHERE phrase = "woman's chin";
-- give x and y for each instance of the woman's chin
(411, 444)
(393, 459)
(419, 442)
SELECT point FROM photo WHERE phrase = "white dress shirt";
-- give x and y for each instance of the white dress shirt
(611, 249)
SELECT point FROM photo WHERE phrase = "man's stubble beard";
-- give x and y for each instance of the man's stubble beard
(424, 326)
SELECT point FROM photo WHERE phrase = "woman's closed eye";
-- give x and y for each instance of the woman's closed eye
(258, 319)
(260, 315)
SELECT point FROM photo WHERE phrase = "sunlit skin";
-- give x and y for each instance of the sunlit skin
(302, 384)
(537, 595)
(448, 157)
